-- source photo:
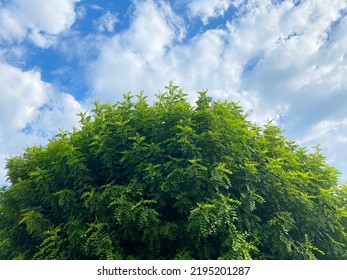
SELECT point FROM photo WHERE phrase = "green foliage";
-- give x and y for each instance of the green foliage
(172, 181)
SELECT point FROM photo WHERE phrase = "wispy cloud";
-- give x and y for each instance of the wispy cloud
(106, 22)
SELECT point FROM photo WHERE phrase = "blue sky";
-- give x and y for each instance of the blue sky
(283, 60)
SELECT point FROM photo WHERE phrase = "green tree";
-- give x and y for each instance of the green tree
(172, 180)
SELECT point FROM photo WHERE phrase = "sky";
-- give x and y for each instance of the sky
(283, 60)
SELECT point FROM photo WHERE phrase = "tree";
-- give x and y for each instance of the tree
(172, 181)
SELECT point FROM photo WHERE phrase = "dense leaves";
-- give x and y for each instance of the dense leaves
(172, 181)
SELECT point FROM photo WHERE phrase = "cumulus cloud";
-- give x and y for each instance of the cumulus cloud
(21, 93)
(31, 111)
(40, 20)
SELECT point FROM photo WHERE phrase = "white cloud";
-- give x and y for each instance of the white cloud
(136, 55)
(10, 29)
(106, 22)
(297, 68)
(31, 111)
(96, 7)
(326, 128)
(206, 9)
(40, 20)
(257, 52)
(21, 93)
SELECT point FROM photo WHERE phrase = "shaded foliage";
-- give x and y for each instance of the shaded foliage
(172, 181)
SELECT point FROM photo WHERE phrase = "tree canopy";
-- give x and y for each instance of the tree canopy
(172, 180)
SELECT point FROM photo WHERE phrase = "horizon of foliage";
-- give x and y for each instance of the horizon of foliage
(172, 180)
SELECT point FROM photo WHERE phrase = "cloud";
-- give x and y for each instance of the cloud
(299, 59)
(10, 30)
(135, 56)
(276, 51)
(31, 111)
(21, 93)
(206, 9)
(106, 22)
(330, 135)
(40, 20)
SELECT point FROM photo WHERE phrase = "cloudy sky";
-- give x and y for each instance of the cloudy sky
(284, 60)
